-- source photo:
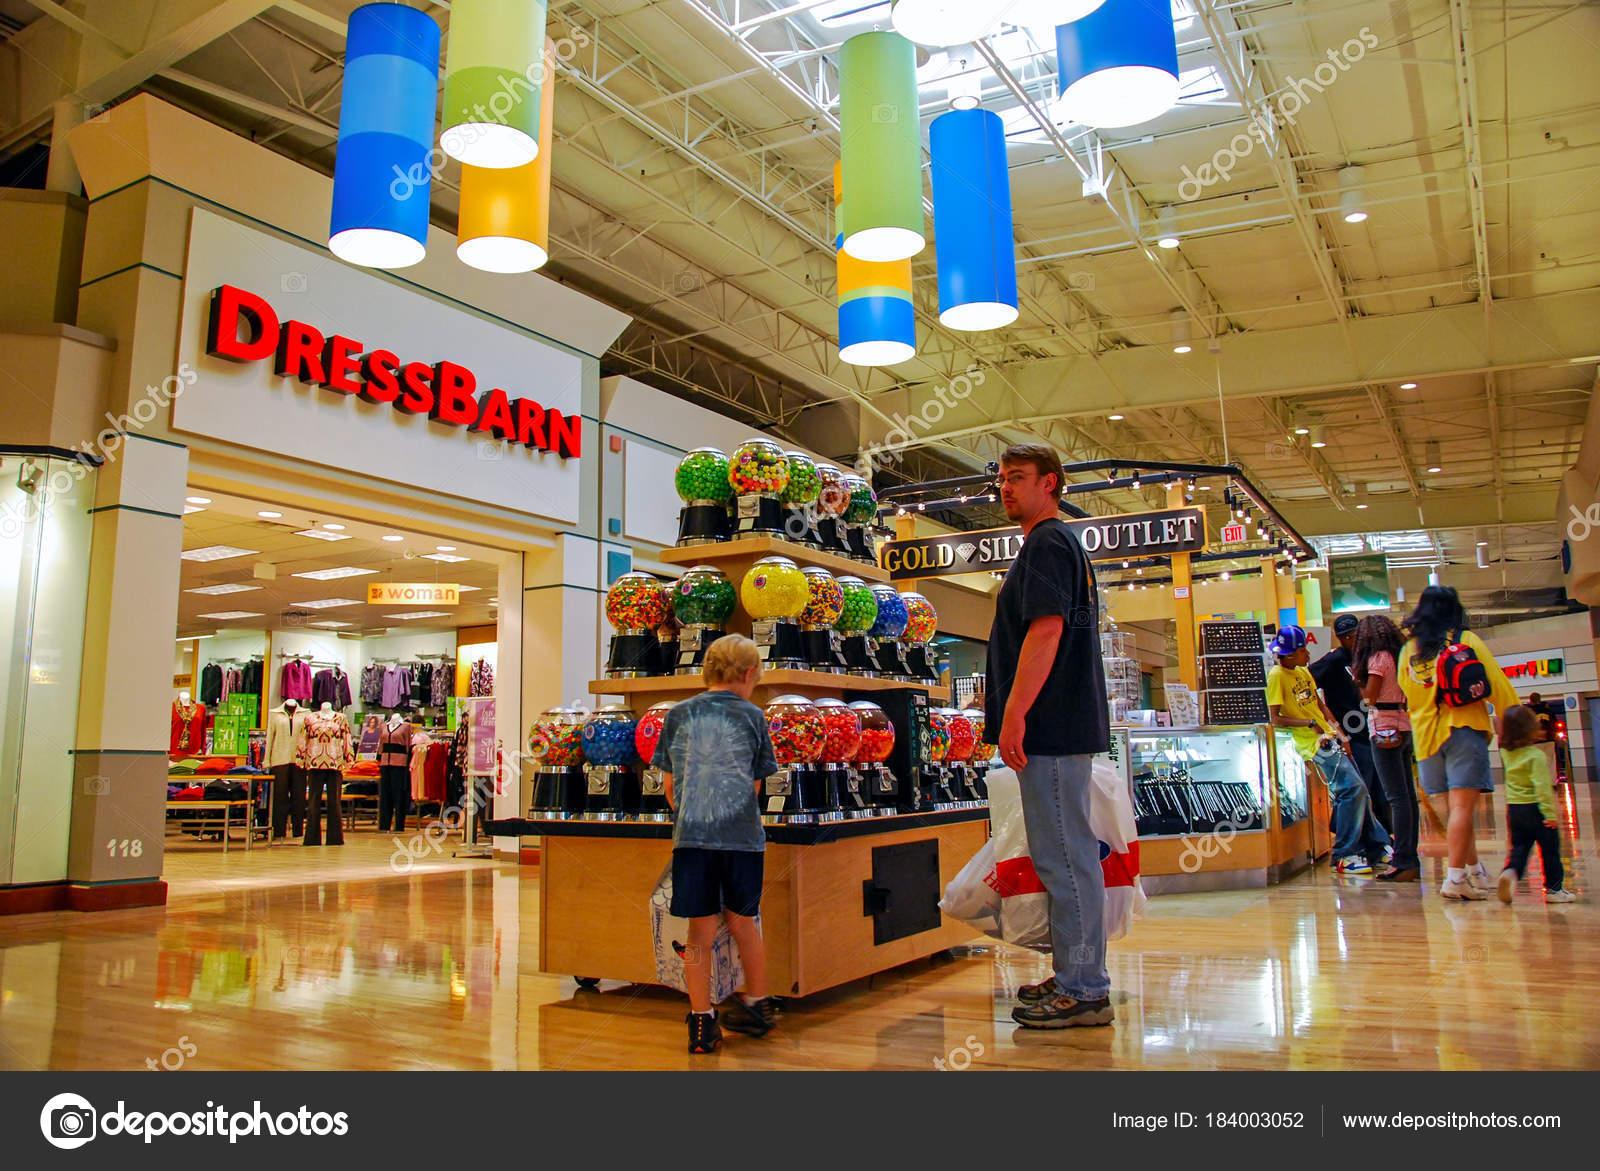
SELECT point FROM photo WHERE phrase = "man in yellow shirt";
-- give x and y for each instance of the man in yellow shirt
(1295, 704)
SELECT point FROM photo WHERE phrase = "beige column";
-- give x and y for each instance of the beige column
(1183, 607)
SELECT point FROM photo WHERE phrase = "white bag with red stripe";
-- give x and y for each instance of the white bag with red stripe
(1000, 894)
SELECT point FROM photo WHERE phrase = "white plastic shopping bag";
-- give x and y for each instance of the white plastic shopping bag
(671, 936)
(1023, 916)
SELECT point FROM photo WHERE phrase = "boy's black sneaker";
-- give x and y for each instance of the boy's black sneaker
(1063, 1012)
(753, 1020)
(704, 1034)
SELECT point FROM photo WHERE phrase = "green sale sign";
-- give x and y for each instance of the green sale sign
(1358, 583)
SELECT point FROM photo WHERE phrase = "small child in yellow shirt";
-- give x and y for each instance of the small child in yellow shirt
(1530, 807)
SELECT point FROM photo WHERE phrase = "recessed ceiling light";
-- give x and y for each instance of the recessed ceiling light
(331, 574)
(422, 614)
(237, 587)
(1359, 506)
(445, 548)
(215, 553)
(331, 625)
(320, 535)
(327, 603)
(193, 637)
(268, 514)
(393, 537)
(1205, 487)
(449, 558)
(494, 599)
(197, 500)
(234, 614)
(1115, 418)
(466, 589)
(1408, 386)
(188, 508)
(334, 528)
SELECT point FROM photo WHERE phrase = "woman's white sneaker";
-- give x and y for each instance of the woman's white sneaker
(1460, 891)
(1506, 884)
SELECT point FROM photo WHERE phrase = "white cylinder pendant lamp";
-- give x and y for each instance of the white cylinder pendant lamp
(1118, 66)
(1045, 13)
(938, 23)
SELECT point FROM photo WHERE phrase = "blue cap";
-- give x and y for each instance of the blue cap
(1288, 640)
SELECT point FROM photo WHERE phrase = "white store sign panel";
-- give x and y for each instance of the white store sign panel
(318, 361)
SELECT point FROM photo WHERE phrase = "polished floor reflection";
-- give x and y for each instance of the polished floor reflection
(289, 958)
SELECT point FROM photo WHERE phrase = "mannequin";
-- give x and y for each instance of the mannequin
(323, 748)
(188, 726)
(284, 725)
(394, 782)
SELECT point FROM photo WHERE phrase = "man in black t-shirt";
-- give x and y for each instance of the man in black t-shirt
(1338, 686)
(1046, 703)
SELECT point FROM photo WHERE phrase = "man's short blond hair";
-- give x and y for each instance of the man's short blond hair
(730, 658)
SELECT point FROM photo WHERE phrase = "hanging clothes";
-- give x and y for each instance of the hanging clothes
(331, 686)
(444, 684)
(372, 684)
(251, 683)
(396, 688)
(419, 767)
(210, 689)
(188, 729)
(232, 681)
(296, 681)
(433, 771)
(421, 683)
(481, 682)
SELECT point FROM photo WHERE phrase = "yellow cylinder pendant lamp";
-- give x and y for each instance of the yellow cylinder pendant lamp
(505, 211)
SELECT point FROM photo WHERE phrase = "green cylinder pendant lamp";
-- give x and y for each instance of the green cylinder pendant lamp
(494, 64)
(881, 134)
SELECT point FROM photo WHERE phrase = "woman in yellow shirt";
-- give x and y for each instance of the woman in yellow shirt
(1452, 743)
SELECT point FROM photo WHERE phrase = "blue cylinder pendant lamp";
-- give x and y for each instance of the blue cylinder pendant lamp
(972, 228)
(1118, 66)
(381, 178)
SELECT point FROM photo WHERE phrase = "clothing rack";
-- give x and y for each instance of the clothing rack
(313, 662)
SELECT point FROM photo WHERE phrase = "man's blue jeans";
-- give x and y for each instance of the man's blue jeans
(1355, 830)
(1066, 856)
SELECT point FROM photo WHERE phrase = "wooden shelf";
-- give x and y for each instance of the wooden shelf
(749, 549)
(772, 683)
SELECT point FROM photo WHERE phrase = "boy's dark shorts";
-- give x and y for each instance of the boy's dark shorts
(708, 882)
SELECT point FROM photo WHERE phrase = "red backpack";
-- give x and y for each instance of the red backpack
(1460, 675)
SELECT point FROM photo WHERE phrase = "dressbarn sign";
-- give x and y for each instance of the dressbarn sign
(307, 359)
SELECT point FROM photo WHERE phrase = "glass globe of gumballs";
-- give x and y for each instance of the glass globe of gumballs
(824, 604)
(703, 486)
(555, 742)
(860, 517)
(842, 784)
(703, 600)
(872, 756)
(858, 612)
(799, 500)
(636, 604)
(774, 593)
(922, 623)
(799, 734)
(893, 617)
(758, 473)
(608, 746)
(833, 501)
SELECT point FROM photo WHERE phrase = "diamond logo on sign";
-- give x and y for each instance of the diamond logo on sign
(966, 549)
(1231, 534)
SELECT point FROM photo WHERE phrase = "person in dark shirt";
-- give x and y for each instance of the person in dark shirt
(1338, 686)
(716, 751)
(1046, 707)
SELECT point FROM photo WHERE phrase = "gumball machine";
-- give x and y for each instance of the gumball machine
(937, 788)
(703, 486)
(982, 752)
(825, 601)
(882, 790)
(860, 517)
(758, 474)
(796, 792)
(555, 741)
(799, 500)
(636, 604)
(922, 623)
(653, 805)
(774, 593)
(890, 624)
(858, 611)
(845, 794)
(612, 784)
(702, 602)
(963, 744)
(833, 501)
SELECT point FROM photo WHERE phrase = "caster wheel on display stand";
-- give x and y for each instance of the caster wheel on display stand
(588, 983)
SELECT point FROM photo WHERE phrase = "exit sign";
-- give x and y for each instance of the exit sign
(1232, 534)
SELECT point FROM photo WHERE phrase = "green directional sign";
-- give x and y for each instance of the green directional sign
(1358, 583)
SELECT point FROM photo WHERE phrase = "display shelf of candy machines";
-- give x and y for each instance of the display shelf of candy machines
(747, 550)
(788, 834)
(772, 683)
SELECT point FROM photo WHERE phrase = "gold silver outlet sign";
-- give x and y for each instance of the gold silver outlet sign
(1145, 534)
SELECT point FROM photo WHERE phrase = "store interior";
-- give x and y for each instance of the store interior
(274, 606)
